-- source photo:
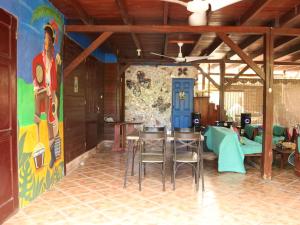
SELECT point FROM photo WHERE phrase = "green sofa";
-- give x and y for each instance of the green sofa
(231, 152)
(279, 135)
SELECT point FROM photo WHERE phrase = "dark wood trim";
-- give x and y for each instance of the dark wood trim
(241, 54)
(173, 29)
(95, 44)
(266, 168)
(127, 21)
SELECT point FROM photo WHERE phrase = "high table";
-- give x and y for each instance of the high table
(132, 138)
(120, 131)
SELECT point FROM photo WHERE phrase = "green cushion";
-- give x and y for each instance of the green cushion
(278, 130)
(275, 140)
(249, 130)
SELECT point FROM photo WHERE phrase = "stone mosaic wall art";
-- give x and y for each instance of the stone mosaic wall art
(148, 92)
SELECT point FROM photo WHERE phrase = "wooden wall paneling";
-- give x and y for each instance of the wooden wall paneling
(201, 105)
(111, 98)
(74, 105)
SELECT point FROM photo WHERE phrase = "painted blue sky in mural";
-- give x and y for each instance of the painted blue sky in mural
(31, 35)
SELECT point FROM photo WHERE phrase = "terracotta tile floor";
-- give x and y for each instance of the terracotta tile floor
(94, 194)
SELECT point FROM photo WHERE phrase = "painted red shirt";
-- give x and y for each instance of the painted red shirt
(40, 59)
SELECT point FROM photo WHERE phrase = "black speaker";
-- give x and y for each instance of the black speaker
(245, 119)
(196, 120)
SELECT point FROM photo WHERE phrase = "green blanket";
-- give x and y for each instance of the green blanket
(224, 142)
(250, 147)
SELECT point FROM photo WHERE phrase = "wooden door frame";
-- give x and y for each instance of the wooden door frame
(13, 94)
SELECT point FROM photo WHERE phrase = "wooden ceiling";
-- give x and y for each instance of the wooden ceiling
(276, 13)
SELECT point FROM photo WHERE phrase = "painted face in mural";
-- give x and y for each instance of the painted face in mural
(48, 42)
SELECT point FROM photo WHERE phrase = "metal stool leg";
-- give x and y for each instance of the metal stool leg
(130, 143)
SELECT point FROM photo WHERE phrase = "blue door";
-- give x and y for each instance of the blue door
(182, 102)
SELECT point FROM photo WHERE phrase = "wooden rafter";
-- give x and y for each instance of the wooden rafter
(165, 22)
(289, 51)
(280, 42)
(212, 47)
(290, 16)
(126, 20)
(244, 44)
(197, 49)
(242, 54)
(257, 7)
(93, 46)
(207, 76)
(236, 77)
(83, 16)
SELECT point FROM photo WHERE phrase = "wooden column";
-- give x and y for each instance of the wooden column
(222, 89)
(266, 168)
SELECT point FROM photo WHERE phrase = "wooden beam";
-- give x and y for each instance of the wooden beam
(165, 22)
(236, 77)
(214, 61)
(267, 158)
(242, 55)
(244, 44)
(126, 20)
(150, 29)
(197, 47)
(207, 76)
(95, 44)
(122, 69)
(222, 91)
(255, 9)
(294, 49)
(290, 16)
(83, 16)
(212, 47)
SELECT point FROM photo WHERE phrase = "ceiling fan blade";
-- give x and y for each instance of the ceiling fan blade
(195, 58)
(177, 2)
(218, 4)
(153, 53)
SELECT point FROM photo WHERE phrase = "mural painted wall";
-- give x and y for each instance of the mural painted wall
(148, 92)
(40, 95)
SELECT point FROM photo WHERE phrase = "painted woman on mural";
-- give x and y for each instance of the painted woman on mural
(44, 70)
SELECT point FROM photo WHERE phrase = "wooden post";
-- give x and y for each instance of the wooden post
(222, 89)
(266, 168)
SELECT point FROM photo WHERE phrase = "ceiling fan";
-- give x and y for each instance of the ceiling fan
(180, 58)
(199, 9)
